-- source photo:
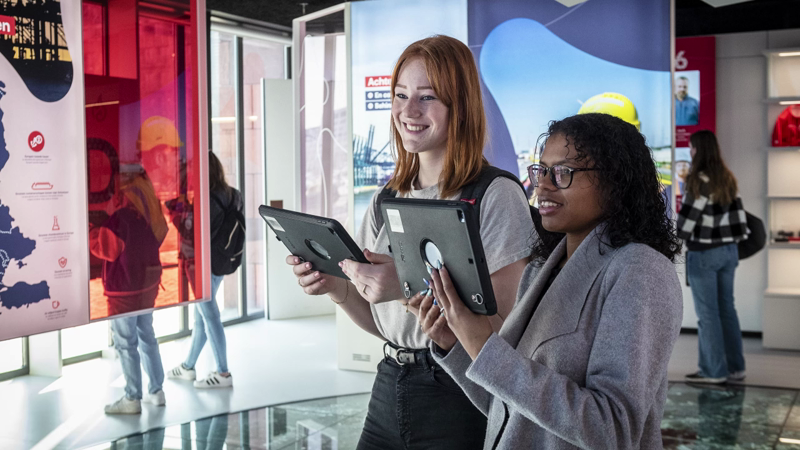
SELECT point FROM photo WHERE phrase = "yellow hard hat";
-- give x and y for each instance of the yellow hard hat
(157, 131)
(614, 104)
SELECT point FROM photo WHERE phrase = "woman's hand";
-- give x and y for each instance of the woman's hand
(431, 319)
(313, 282)
(471, 329)
(376, 282)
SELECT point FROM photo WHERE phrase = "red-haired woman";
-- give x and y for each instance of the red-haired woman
(439, 131)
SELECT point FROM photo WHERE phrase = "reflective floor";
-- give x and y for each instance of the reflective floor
(695, 417)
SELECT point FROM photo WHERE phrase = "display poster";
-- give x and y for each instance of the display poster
(43, 224)
(376, 44)
(542, 60)
(694, 84)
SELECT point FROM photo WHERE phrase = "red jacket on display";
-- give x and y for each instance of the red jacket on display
(787, 128)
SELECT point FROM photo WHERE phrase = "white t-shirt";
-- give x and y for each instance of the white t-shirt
(506, 232)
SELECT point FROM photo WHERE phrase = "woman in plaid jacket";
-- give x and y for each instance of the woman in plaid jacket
(712, 221)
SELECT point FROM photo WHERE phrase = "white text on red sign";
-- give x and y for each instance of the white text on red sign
(381, 81)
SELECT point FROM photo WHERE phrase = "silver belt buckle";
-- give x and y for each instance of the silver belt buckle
(404, 358)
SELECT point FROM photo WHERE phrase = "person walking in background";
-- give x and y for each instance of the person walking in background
(712, 221)
(128, 244)
(208, 323)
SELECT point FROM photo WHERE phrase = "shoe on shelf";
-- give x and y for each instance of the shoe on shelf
(182, 373)
(737, 376)
(698, 377)
(214, 380)
(124, 406)
(158, 399)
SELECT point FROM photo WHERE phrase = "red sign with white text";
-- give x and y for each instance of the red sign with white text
(695, 87)
(380, 81)
(8, 25)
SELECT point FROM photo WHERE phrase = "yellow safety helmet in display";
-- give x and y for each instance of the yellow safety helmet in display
(157, 131)
(614, 104)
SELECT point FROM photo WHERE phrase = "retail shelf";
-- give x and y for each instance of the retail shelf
(778, 51)
(784, 245)
(782, 100)
(781, 149)
(783, 292)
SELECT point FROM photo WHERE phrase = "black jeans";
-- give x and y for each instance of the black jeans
(420, 407)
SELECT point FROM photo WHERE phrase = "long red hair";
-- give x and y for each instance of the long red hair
(454, 77)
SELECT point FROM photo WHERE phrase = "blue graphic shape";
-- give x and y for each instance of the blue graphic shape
(632, 33)
(24, 294)
(15, 246)
(535, 76)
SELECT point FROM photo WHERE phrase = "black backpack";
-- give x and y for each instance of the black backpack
(756, 240)
(227, 242)
(473, 193)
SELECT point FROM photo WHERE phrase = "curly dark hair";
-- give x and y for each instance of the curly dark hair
(634, 208)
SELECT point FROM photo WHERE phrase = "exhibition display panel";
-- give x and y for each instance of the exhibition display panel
(106, 121)
(43, 226)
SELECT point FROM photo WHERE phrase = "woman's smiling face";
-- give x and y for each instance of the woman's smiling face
(576, 209)
(418, 114)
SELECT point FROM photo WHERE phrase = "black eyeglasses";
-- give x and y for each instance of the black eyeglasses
(560, 176)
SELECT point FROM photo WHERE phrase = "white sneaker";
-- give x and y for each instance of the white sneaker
(158, 399)
(182, 373)
(737, 376)
(214, 380)
(698, 377)
(124, 406)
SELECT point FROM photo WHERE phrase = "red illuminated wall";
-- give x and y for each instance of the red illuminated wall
(142, 135)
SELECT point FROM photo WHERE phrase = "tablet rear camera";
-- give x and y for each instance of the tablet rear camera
(318, 249)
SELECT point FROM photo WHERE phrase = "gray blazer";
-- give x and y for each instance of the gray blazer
(587, 370)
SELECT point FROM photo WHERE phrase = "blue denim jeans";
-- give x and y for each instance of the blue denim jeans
(132, 334)
(208, 324)
(719, 336)
(420, 407)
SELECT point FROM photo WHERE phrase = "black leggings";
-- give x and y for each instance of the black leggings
(420, 407)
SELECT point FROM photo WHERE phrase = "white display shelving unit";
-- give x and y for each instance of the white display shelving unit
(782, 298)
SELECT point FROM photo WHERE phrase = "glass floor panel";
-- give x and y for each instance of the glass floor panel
(695, 417)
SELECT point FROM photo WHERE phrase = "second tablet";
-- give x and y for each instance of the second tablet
(425, 232)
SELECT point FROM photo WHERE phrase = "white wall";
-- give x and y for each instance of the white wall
(286, 299)
(743, 132)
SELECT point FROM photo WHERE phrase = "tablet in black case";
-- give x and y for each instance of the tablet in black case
(321, 241)
(421, 232)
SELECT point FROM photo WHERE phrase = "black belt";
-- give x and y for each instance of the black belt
(408, 356)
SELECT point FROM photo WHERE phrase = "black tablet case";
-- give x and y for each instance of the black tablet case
(297, 230)
(453, 227)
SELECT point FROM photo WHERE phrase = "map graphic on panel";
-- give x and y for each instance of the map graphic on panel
(13, 244)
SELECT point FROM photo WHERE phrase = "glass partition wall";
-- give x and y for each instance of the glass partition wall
(239, 58)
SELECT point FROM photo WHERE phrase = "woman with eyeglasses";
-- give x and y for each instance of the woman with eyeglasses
(439, 130)
(712, 221)
(581, 362)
